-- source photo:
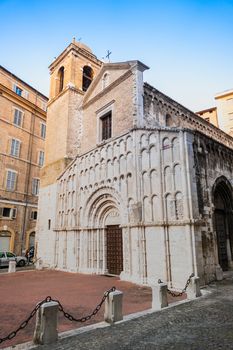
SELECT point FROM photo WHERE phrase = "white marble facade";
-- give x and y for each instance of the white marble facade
(139, 181)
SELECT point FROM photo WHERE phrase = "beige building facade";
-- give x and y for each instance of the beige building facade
(22, 138)
(139, 187)
(221, 115)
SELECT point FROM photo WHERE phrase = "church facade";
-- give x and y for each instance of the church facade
(134, 184)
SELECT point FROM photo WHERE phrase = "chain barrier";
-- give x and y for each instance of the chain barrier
(178, 294)
(11, 335)
(88, 317)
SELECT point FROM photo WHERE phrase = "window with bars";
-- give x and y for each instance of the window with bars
(41, 158)
(15, 147)
(35, 186)
(106, 126)
(18, 117)
(11, 180)
(43, 130)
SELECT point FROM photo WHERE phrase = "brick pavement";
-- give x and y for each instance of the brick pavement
(206, 323)
(20, 291)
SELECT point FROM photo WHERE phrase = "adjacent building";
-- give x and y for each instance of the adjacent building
(134, 184)
(221, 115)
(22, 138)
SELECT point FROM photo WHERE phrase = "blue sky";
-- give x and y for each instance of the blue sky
(188, 45)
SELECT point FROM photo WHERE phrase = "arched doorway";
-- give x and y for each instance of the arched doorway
(223, 221)
(103, 216)
(5, 241)
(32, 239)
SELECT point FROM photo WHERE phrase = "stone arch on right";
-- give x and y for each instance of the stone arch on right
(222, 196)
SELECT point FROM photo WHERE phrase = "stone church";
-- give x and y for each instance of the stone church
(134, 184)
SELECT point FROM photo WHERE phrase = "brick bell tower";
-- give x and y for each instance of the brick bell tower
(71, 74)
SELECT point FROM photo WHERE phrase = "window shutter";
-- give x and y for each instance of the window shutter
(14, 213)
(25, 94)
(18, 144)
(14, 87)
(1, 212)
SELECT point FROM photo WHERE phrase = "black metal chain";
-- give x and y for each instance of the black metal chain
(88, 317)
(11, 335)
(178, 294)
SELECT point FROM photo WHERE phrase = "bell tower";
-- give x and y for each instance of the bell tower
(71, 73)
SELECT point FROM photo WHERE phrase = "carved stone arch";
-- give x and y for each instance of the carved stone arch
(168, 179)
(153, 159)
(166, 150)
(145, 160)
(179, 208)
(143, 141)
(177, 176)
(222, 199)
(129, 143)
(103, 198)
(152, 138)
(122, 146)
(175, 143)
(170, 207)
(147, 217)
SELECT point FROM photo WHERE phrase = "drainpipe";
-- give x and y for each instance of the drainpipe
(28, 175)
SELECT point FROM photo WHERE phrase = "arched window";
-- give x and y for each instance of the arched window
(168, 120)
(105, 81)
(60, 79)
(87, 77)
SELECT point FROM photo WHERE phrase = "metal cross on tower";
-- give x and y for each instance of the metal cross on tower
(108, 55)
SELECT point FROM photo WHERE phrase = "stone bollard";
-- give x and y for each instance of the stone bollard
(219, 273)
(12, 266)
(113, 307)
(39, 264)
(46, 324)
(193, 290)
(159, 296)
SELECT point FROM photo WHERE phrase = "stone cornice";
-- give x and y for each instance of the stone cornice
(195, 121)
